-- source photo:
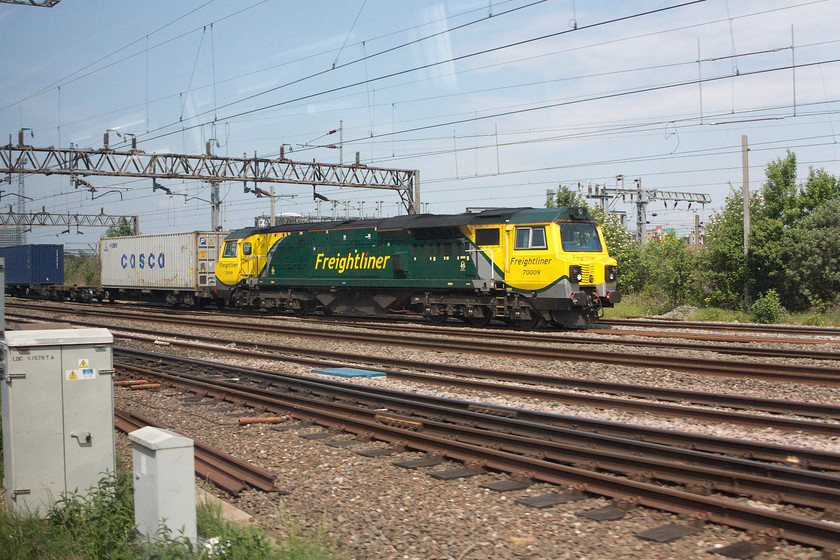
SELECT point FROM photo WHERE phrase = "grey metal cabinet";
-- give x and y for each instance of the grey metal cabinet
(58, 413)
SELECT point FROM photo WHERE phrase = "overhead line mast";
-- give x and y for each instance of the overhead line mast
(107, 162)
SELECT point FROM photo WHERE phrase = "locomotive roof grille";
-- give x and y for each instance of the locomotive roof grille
(425, 223)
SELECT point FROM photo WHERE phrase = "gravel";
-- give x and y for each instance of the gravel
(376, 510)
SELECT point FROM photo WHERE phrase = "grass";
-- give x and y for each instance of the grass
(638, 305)
(815, 318)
(722, 315)
(101, 525)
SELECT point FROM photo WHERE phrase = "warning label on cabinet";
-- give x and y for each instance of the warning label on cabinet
(79, 374)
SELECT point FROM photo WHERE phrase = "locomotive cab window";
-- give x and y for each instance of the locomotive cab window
(246, 249)
(229, 250)
(530, 238)
(580, 237)
(487, 237)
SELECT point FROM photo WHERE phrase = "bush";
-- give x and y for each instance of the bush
(768, 308)
(100, 524)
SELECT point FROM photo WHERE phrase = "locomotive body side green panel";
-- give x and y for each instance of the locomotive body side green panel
(364, 257)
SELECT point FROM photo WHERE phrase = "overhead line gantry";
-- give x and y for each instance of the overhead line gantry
(107, 162)
(36, 3)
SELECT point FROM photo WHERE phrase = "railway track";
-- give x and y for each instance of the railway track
(766, 452)
(778, 412)
(803, 335)
(227, 472)
(726, 327)
(603, 465)
(566, 351)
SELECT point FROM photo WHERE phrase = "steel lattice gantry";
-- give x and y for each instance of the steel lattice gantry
(37, 3)
(641, 198)
(215, 169)
(44, 218)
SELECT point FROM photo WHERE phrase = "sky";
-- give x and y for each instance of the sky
(494, 102)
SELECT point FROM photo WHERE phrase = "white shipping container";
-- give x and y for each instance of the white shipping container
(168, 261)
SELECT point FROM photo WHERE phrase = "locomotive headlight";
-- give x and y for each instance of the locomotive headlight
(610, 272)
(575, 273)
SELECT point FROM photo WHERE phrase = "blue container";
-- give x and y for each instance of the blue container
(34, 265)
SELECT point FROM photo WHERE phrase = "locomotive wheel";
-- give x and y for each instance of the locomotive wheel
(302, 308)
(438, 319)
(480, 321)
(528, 324)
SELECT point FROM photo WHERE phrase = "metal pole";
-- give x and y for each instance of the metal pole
(745, 164)
(215, 218)
(2, 297)
(641, 212)
(415, 199)
(697, 233)
(271, 205)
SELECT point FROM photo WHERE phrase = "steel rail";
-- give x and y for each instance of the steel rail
(338, 359)
(806, 531)
(715, 444)
(542, 338)
(227, 472)
(726, 368)
(734, 327)
(746, 403)
(568, 446)
(619, 389)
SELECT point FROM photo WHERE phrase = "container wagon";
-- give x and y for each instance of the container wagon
(173, 268)
(32, 266)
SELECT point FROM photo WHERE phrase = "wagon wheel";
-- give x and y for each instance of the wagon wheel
(481, 320)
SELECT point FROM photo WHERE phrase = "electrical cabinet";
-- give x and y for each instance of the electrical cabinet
(164, 482)
(58, 413)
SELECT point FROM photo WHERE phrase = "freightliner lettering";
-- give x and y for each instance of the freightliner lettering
(359, 261)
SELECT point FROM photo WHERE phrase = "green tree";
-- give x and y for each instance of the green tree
(811, 254)
(81, 269)
(722, 257)
(122, 229)
(566, 198)
(670, 269)
(780, 193)
(779, 212)
(819, 188)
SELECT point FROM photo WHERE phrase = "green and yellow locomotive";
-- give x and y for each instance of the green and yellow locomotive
(525, 266)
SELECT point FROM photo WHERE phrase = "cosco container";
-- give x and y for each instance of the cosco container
(166, 264)
(34, 265)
